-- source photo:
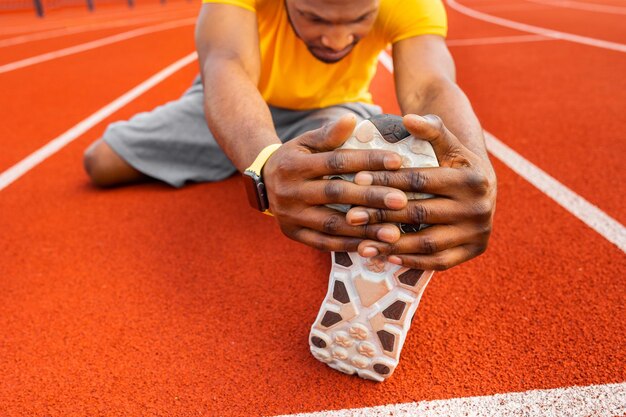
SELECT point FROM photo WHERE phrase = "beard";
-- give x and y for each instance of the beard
(328, 56)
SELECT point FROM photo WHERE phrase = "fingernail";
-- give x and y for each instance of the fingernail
(363, 178)
(416, 117)
(392, 161)
(394, 260)
(369, 251)
(395, 200)
(359, 218)
(387, 235)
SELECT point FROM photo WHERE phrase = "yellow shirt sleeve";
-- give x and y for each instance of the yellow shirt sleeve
(407, 18)
(246, 4)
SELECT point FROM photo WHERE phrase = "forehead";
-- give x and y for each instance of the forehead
(336, 9)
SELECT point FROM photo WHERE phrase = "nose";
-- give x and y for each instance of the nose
(337, 39)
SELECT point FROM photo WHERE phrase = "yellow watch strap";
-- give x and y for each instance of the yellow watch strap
(262, 158)
(259, 162)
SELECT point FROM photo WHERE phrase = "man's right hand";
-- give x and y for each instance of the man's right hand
(298, 193)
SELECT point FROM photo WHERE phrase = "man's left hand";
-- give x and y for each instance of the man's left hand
(460, 214)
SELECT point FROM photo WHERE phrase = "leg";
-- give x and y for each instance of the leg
(172, 143)
(106, 168)
(290, 123)
(367, 312)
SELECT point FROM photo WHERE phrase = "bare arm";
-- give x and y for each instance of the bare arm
(228, 52)
(426, 84)
(461, 213)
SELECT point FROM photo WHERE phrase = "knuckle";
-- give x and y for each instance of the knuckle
(428, 245)
(410, 262)
(387, 248)
(381, 178)
(372, 196)
(480, 249)
(485, 231)
(320, 245)
(345, 245)
(285, 166)
(291, 233)
(332, 224)
(391, 248)
(381, 215)
(481, 240)
(457, 157)
(435, 121)
(374, 161)
(440, 263)
(282, 194)
(417, 180)
(477, 182)
(352, 245)
(376, 215)
(333, 190)
(417, 213)
(481, 211)
(336, 162)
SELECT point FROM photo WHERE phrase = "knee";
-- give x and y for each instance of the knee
(99, 164)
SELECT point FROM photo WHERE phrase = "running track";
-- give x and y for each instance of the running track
(150, 301)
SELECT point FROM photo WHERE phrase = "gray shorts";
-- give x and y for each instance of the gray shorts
(172, 143)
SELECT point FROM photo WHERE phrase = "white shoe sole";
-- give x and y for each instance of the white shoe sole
(367, 312)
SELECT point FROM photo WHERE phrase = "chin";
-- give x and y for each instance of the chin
(328, 59)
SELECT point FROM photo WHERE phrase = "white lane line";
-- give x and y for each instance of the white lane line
(56, 33)
(570, 4)
(588, 213)
(555, 34)
(16, 171)
(497, 40)
(595, 400)
(95, 44)
(77, 17)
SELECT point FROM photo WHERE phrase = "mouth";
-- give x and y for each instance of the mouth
(330, 56)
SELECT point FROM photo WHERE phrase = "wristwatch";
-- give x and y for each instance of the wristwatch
(253, 181)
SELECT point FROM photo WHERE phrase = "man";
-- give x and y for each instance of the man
(277, 71)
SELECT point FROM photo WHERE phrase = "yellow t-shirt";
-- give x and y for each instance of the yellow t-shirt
(292, 78)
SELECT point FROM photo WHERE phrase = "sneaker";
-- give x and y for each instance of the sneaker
(366, 315)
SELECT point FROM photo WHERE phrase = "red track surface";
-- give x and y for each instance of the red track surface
(147, 300)
(599, 25)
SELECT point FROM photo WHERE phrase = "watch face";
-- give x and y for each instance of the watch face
(255, 189)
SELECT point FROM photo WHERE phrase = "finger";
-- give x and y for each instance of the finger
(447, 147)
(438, 262)
(332, 222)
(344, 161)
(322, 192)
(440, 180)
(330, 136)
(425, 242)
(416, 212)
(323, 241)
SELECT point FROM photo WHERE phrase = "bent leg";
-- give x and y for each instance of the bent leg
(106, 168)
(171, 143)
(292, 123)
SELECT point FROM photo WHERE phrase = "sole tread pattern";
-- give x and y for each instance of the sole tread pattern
(367, 312)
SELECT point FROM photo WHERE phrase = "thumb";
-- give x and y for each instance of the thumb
(331, 135)
(447, 147)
